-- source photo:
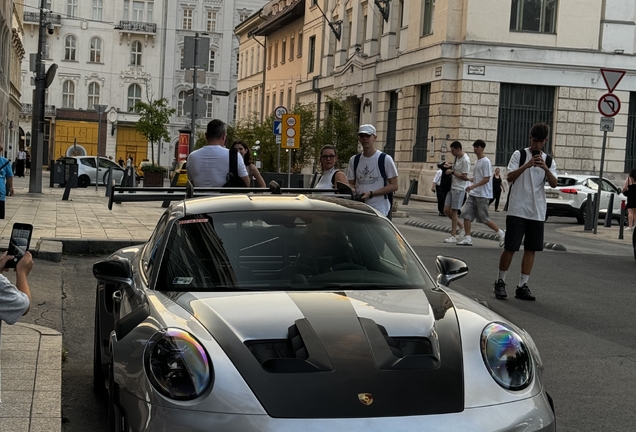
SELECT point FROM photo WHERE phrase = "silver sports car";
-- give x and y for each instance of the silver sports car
(302, 313)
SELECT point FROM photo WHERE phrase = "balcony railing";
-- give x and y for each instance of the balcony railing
(139, 27)
(34, 17)
(27, 109)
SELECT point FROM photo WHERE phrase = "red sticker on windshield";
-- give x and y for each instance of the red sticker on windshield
(189, 221)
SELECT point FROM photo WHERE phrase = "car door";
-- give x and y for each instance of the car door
(105, 165)
(89, 168)
(613, 190)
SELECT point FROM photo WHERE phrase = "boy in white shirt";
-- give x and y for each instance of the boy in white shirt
(479, 195)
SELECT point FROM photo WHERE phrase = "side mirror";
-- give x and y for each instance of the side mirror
(450, 269)
(115, 270)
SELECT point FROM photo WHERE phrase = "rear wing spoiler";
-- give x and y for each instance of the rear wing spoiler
(167, 194)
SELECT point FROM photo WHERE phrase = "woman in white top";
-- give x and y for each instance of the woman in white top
(252, 171)
(330, 172)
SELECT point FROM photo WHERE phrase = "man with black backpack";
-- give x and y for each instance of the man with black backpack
(528, 169)
(210, 165)
(372, 173)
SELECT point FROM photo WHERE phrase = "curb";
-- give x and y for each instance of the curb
(91, 247)
(477, 234)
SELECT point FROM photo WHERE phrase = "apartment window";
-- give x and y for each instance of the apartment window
(249, 103)
(282, 97)
(364, 28)
(234, 109)
(187, 19)
(258, 59)
(312, 52)
(98, 7)
(68, 94)
(96, 50)
(533, 16)
(391, 124)
(289, 98)
(93, 95)
(291, 48)
(273, 101)
(266, 102)
(135, 10)
(238, 57)
(251, 61)
(71, 8)
(300, 44)
(240, 68)
(181, 60)
(209, 103)
(243, 16)
(47, 49)
(521, 106)
(134, 96)
(211, 21)
(427, 18)
(269, 57)
(630, 147)
(275, 53)
(70, 47)
(283, 54)
(212, 60)
(180, 101)
(421, 133)
(135, 53)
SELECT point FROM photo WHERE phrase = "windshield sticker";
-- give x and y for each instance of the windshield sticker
(189, 221)
(182, 281)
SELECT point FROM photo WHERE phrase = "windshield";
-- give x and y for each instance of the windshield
(281, 250)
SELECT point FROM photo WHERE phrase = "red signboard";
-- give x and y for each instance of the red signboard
(184, 146)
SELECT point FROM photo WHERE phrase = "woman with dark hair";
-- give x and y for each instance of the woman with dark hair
(629, 190)
(497, 188)
(252, 171)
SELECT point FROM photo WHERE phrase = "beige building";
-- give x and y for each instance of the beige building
(430, 72)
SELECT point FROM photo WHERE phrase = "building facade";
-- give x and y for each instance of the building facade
(429, 72)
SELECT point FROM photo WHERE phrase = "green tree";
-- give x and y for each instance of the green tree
(338, 129)
(153, 120)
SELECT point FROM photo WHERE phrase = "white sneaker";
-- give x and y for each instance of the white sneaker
(451, 239)
(468, 241)
(461, 232)
(502, 239)
(629, 229)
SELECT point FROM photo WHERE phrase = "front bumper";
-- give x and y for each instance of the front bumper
(533, 414)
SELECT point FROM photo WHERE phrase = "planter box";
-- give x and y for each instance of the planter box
(153, 179)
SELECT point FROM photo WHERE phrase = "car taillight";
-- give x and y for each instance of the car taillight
(570, 191)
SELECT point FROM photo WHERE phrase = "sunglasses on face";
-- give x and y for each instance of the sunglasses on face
(328, 156)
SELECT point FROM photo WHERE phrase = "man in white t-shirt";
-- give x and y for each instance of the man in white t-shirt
(479, 195)
(526, 209)
(367, 178)
(209, 165)
(455, 197)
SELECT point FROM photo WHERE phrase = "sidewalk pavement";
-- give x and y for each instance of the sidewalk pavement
(31, 356)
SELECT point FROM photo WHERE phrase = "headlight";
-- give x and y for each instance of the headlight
(177, 364)
(506, 356)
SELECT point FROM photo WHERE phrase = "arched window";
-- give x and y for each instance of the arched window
(135, 54)
(68, 94)
(96, 50)
(70, 47)
(93, 95)
(180, 101)
(134, 96)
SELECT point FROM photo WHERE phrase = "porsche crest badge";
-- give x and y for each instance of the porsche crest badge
(365, 398)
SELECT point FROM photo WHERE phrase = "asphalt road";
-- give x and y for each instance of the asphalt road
(582, 323)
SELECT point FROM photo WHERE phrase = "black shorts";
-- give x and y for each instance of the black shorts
(517, 228)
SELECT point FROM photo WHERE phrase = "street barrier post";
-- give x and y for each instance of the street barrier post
(412, 188)
(609, 213)
(72, 180)
(589, 207)
(621, 221)
(109, 183)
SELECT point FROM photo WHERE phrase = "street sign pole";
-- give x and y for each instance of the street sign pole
(288, 167)
(193, 127)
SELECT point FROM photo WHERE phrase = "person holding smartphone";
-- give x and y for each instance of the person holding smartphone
(15, 300)
(526, 209)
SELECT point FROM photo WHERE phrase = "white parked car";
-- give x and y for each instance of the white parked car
(569, 198)
(87, 173)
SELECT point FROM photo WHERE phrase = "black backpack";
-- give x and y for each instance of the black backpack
(232, 178)
(522, 160)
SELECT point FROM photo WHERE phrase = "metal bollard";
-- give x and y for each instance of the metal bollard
(589, 209)
(109, 182)
(609, 212)
(412, 187)
(72, 180)
(173, 183)
(621, 221)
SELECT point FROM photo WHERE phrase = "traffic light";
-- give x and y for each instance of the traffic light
(256, 150)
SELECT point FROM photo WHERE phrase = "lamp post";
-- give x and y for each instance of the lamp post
(100, 110)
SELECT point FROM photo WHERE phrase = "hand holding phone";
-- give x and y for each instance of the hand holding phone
(19, 243)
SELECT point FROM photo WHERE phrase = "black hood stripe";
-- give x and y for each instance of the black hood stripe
(333, 393)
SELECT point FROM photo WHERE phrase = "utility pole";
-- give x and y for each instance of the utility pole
(37, 125)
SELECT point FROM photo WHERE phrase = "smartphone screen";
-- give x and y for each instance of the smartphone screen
(536, 152)
(19, 242)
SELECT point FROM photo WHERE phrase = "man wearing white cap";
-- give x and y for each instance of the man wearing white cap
(372, 173)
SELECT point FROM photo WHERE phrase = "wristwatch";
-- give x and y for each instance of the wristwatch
(371, 194)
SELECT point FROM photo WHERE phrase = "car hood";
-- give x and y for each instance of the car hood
(341, 354)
